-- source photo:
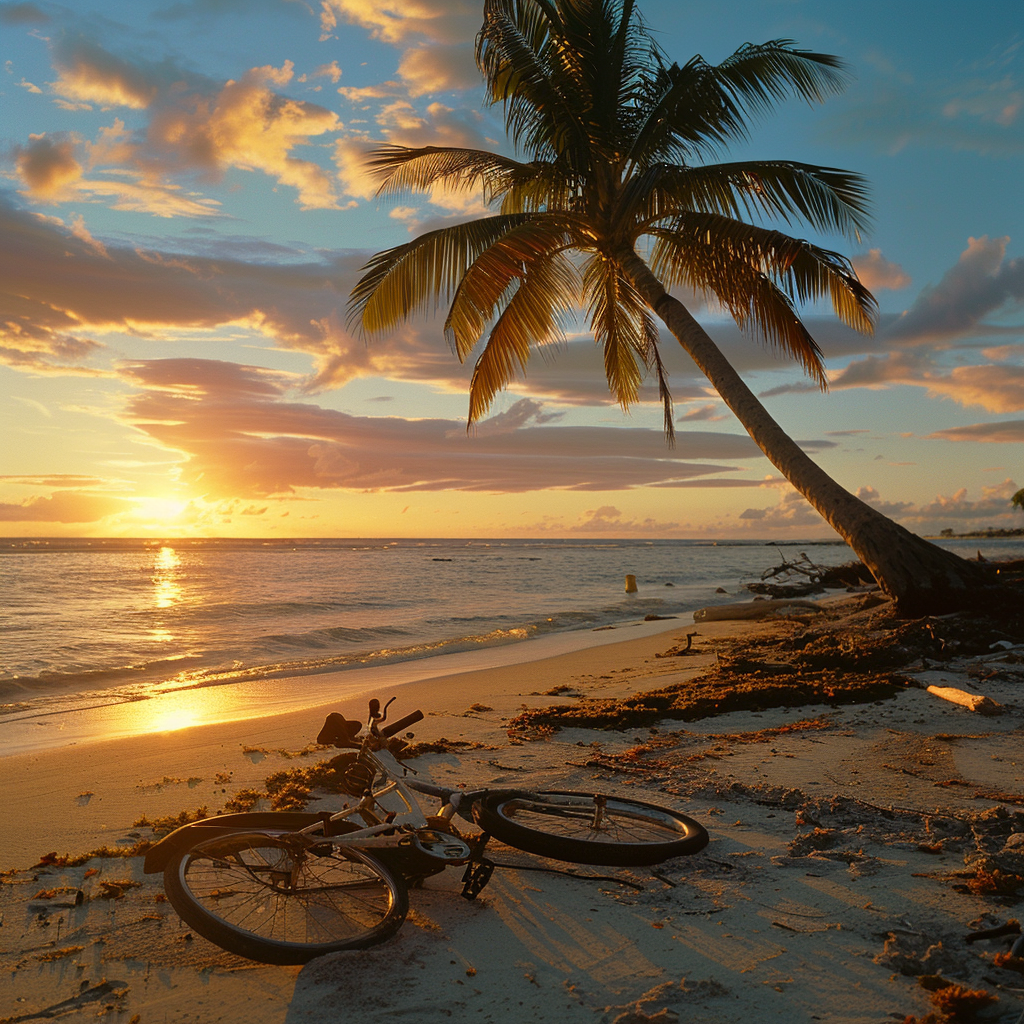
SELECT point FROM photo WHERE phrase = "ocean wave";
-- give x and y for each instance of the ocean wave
(363, 648)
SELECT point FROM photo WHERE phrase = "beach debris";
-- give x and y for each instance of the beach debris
(116, 890)
(800, 576)
(955, 1003)
(630, 584)
(915, 955)
(1011, 927)
(972, 701)
(752, 609)
(679, 649)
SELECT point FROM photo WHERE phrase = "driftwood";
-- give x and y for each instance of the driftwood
(801, 576)
(751, 610)
(972, 701)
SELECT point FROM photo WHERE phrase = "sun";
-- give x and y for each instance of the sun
(160, 513)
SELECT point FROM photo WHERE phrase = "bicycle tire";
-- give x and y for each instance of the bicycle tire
(278, 900)
(561, 824)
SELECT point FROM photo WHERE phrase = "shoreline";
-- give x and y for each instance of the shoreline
(116, 769)
(109, 715)
(844, 844)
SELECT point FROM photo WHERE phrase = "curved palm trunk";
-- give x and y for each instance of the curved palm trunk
(920, 577)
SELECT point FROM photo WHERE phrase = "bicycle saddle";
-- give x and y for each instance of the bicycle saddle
(339, 731)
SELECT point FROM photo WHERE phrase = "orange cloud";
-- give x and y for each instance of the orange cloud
(982, 282)
(1007, 432)
(433, 69)
(248, 125)
(245, 124)
(63, 507)
(48, 166)
(242, 438)
(89, 74)
(878, 273)
(608, 519)
(997, 388)
(399, 21)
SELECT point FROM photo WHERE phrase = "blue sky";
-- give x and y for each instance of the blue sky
(186, 209)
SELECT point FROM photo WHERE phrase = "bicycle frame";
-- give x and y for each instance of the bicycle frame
(404, 819)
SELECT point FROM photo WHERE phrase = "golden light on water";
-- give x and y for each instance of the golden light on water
(167, 590)
(167, 719)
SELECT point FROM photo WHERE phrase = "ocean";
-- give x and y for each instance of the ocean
(90, 623)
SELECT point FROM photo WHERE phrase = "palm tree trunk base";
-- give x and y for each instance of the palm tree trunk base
(922, 578)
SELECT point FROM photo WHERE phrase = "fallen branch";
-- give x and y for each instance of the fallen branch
(972, 701)
(751, 610)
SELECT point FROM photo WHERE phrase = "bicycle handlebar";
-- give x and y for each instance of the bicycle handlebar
(402, 723)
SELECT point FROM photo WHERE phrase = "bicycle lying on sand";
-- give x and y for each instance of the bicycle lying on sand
(285, 887)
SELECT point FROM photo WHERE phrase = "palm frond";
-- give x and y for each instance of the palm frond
(806, 272)
(759, 276)
(401, 169)
(398, 281)
(694, 109)
(495, 272)
(623, 326)
(763, 74)
(513, 52)
(826, 198)
(535, 315)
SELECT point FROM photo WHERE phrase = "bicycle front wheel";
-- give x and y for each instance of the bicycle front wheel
(588, 828)
(280, 900)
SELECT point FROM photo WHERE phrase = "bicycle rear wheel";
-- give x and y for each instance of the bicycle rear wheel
(280, 900)
(588, 828)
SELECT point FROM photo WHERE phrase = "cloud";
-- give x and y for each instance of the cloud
(399, 22)
(434, 69)
(331, 71)
(51, 172)
(608, 519)
(959, 511)
(702, 412)
(981, 283)
(64, 507)
(892, 509)
(53, 480)
(1006, 432)
(22, 14)
(89, 74)
(47, 165)
(792, 510)
(241, 437)
(877, 273)
(997, 388)
(248, 125)
(192, 126)
(725, 481)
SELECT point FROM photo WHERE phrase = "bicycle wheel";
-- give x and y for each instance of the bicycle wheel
(279, 900)
(588, 828)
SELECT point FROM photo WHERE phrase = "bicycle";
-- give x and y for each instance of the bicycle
(286, 887)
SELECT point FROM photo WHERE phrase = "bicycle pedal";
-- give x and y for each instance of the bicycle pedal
(477, 875)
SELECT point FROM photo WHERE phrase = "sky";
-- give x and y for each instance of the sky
(185, 207)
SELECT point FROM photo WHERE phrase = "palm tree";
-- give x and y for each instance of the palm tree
(614, 202)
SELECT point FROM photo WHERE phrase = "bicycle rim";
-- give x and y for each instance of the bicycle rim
(589, 828)
(276, 900)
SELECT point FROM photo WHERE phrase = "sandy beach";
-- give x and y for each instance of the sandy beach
(855, 848)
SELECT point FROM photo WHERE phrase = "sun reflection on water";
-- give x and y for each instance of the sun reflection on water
(167, 590)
